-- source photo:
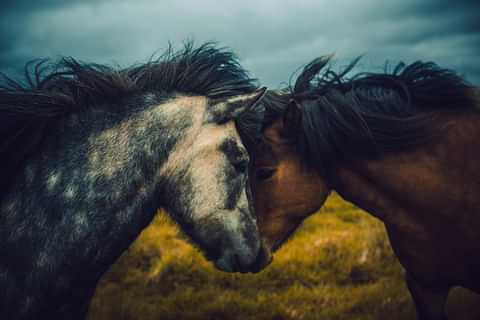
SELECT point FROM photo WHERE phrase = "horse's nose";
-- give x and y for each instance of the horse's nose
(236, 262)
(264, 258)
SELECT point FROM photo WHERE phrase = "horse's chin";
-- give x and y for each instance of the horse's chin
(221, 265)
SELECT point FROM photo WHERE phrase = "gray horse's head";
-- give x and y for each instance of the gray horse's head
(207, 183)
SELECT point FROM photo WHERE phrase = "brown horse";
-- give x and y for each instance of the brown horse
(402, 145)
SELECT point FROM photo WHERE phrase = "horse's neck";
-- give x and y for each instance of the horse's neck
(86, 196)
(413, 182)
(97, 166)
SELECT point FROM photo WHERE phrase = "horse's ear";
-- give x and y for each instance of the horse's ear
(228, 109)
(292, 119)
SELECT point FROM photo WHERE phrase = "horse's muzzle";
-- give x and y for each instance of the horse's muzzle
(234, 262)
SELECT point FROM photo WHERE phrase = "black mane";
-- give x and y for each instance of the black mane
(367, 114)
(51, 91)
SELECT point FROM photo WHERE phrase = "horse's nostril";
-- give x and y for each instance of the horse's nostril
(260, 261)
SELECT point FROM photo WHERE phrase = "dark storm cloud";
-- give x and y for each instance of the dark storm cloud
(273, 38)
(17, 6)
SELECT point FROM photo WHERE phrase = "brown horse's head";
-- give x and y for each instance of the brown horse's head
(285, 190)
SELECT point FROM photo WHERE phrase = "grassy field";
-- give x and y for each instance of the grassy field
(337, 266)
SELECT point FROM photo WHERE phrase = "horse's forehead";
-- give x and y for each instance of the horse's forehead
(264, 157)
(200, 146)
(216, 134)
(195, 106)
(270, 153)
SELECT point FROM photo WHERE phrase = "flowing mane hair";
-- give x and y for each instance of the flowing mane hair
(332, 117)
(50, 91)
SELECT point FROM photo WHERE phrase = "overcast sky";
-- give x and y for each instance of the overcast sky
(273, 38)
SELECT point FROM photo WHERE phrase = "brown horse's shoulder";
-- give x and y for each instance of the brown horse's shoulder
(442, 175)
(429, 200)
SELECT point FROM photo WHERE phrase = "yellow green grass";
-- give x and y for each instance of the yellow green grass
(338, 265)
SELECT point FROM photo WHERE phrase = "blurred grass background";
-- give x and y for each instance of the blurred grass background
(338, 265)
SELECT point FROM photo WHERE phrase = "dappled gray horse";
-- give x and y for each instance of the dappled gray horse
(89, 154)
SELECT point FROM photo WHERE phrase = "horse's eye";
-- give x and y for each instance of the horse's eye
(241, 164)
(265, 173)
